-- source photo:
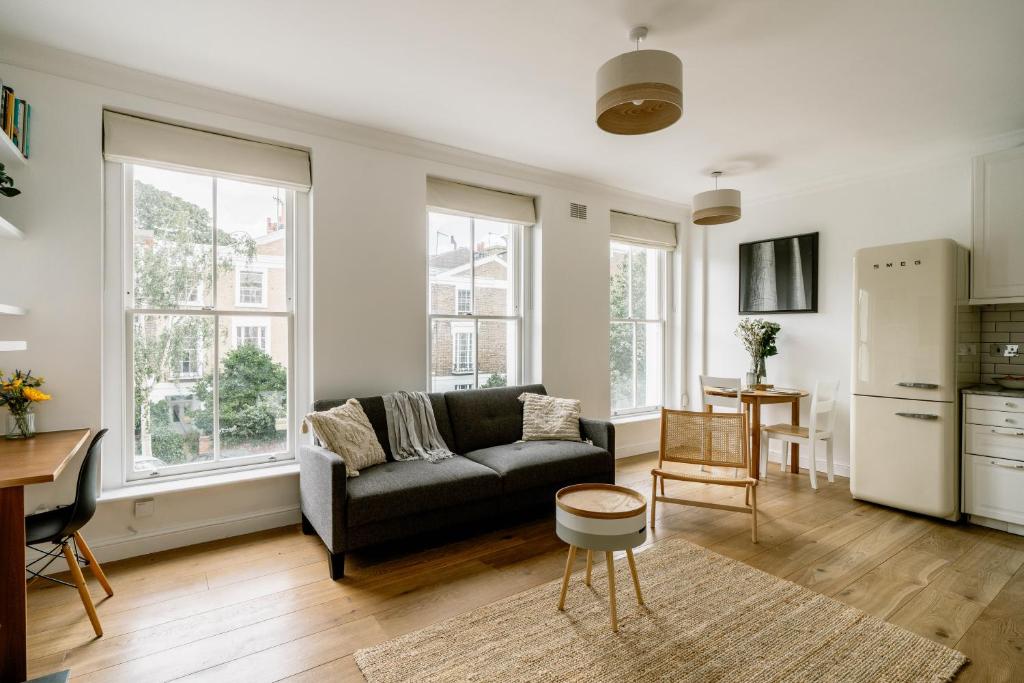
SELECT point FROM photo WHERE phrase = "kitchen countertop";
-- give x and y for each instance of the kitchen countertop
(993, 390)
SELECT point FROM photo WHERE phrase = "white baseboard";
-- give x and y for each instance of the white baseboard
(146, 542)
(630, 450)
(842, 469)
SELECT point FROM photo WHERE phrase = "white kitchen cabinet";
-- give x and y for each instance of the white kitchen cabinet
(993, 461)
(997, 254)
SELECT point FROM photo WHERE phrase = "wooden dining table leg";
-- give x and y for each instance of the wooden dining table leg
(794, 449)
(13, 624)
(755, 439)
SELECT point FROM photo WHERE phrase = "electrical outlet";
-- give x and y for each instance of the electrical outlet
(1006, 350)
(145, 507)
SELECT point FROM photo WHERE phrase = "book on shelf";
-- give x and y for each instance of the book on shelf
(8, 106)
(15, 118)
(19, 122)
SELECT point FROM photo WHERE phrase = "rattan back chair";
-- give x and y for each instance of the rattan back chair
(712, 439)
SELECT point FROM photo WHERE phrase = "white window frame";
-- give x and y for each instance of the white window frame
(117, 405)
(459, 291)
(662, 291)
(198, 372)
(517, 259)
(254, 270)
(239, 323)
(459, 333)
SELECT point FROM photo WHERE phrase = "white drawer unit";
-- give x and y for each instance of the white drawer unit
(993, 461)
(1002, 403)
(994, 488)
(997, 442)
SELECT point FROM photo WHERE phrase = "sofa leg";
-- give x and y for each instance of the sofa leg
(307, 528)
(336, 561)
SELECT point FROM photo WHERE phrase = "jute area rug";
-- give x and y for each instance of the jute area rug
(706, 618)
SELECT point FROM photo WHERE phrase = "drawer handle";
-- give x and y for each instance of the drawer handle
(1009, 467)
(1010, 404)
(996, 431)
(917, 385)
(919, 416)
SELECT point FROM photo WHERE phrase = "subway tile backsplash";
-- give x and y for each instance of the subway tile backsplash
(1000, 324)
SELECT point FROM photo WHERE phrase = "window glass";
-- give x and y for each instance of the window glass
(210, 385)
(474, 282)
(637, 328)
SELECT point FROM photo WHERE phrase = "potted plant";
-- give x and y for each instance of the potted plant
(7, 188)
(18, 392)
(758, 336)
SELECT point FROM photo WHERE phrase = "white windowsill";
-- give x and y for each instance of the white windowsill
(637, 417)
(147, 488)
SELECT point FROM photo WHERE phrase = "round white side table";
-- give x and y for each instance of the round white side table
(601, 517)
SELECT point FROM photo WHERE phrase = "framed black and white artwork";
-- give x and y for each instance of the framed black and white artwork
(779, 275)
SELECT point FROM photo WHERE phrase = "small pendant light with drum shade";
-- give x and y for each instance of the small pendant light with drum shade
(641, 91)
(715, 207)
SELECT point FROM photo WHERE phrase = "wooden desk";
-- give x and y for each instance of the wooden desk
(753, 400)
(38, 460)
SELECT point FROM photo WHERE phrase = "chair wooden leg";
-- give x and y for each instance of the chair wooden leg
(765, 442)
(611, 589)
(829, 467)
(83, 589)
(654, 498)
(753, 513)
(636, 579)
(663, 487)
(565, 579)
(94, 566)
(812, 464)
(590, 565)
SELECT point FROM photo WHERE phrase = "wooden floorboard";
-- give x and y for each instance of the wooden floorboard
(262, 608)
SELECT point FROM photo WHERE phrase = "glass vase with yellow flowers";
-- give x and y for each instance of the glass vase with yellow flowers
(19, 391)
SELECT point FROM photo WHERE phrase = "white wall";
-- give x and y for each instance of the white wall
(369, 332)
(924, 203)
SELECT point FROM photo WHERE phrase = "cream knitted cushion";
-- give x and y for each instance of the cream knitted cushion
(548, 418)
(346, 430)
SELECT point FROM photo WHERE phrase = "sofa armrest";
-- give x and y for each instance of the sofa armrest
(322, 494)
(600, 432)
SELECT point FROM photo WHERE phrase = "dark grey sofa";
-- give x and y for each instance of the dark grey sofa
(492, 475)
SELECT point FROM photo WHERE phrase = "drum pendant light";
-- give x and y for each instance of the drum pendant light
(641, 91)
(715, 207)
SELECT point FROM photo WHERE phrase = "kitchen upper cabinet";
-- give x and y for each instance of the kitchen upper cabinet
(997, 263)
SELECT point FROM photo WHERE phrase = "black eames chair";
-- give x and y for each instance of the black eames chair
(60, 527)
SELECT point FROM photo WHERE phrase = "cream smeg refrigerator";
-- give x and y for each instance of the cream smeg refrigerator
(904, 443)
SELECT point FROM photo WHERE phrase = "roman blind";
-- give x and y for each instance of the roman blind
(133, 139)
(469, 200)
(648, 232)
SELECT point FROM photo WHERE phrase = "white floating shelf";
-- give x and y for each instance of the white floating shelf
(10, 309)
(13, 346)
(8, 230)
(9, 153)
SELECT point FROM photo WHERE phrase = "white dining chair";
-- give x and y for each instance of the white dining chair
(728, 383)
(734, 403)
(819, 431)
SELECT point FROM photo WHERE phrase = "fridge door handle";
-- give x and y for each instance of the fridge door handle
(919, 416)
(917, 385)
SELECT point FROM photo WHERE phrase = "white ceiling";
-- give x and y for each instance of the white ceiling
(791, 92)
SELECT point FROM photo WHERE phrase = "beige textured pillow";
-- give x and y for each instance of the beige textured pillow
(546, 418)
(347, 431)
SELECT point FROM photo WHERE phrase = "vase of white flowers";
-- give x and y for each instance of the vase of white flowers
(758, 337)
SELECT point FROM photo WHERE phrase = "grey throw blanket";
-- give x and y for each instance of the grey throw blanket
(412, 429)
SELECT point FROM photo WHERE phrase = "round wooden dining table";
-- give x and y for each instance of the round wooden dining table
(753, 399)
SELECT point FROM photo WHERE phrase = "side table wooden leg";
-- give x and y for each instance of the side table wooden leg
(794, 449)
(611, 589)
(636, 579)
(13, 626)
(565, 579)
(755, 441)
(590, 565)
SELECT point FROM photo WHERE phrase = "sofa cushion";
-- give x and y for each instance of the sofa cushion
(398, 489)
(373, 406)
(482, 418)
(529, 464)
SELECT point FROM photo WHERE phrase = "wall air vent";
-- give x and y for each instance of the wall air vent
(578, 211)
